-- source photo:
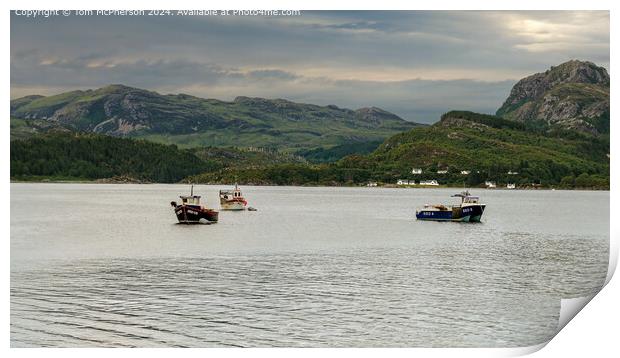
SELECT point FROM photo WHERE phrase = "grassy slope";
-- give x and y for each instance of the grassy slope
(467, 148)
(191, 121)
(244, 157)
(538, 157)
(479, 148)
(326, 155)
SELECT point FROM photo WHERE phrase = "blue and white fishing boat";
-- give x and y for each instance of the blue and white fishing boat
(469, 210)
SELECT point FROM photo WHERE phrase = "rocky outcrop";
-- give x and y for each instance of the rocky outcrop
(573, 95)
(374, 115)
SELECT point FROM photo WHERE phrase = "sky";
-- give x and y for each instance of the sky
(416, 64)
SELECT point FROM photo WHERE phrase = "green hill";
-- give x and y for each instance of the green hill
(69, 156)
(73, 156)
(488, 147)
(189, 121)
(332, 154)
(476, 143)
(553, 130)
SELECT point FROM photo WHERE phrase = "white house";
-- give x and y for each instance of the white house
(405, 182)
(416, 171)
(465, 172)
(510, 172)
(442, 171)
(490, 184)
(429, 182)
(510, 186)
(371, 184)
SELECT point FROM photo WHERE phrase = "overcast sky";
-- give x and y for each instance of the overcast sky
(417, 64)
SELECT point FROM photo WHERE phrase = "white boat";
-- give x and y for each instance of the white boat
(232, 199)
(510, 186)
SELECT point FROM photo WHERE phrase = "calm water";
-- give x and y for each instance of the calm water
(106, 265)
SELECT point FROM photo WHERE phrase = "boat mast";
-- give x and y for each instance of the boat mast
(192, 191)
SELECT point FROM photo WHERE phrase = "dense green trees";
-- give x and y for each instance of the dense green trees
(326, 155)
(287, 174)
(505, 155)
(493, 149)
(585, 181)
(89, 156)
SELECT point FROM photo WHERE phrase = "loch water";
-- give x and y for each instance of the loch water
(105, 265)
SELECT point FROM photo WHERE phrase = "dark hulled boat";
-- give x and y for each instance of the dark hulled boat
(470, 210)
(190, 211)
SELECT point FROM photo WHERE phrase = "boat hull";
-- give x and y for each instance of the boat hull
(470, 213)
(190, 214)
(232, 205)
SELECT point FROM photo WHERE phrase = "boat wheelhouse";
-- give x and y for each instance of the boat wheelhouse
(191, 211)
(232, 199)
(469, 210)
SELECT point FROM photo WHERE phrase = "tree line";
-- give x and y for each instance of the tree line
(91, 156)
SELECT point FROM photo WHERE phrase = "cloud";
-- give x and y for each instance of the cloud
(272, 74)
(417, 64)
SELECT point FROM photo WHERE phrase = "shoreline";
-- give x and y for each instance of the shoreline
(387, 186)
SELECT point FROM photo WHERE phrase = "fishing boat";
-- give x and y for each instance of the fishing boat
(190, 211)
(232, 199)
(469, 210)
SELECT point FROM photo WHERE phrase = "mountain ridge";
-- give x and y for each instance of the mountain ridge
(124, 111)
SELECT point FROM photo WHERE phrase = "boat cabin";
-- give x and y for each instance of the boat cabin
(229, 195)
(471, 200)
(466, 198)
(190, 200)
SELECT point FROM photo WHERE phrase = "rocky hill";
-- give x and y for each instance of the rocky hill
(190, 121)
(573, 95)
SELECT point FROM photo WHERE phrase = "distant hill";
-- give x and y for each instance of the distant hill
(190, 121)
(466, 140)
(573, 95)
(332, 154)
(488, 147)
(553, 130)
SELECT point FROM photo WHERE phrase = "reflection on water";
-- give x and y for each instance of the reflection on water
(104, 265)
